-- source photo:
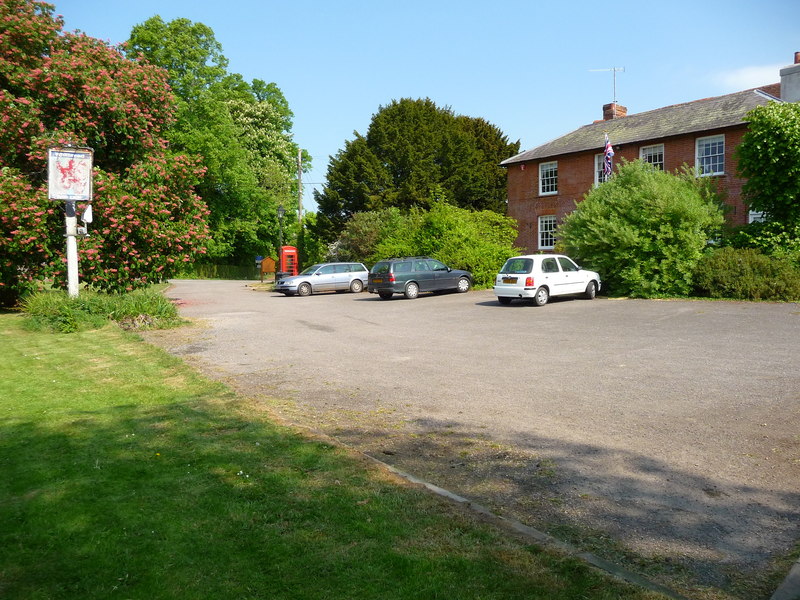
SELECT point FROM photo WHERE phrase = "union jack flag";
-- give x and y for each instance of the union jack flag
(607, 154)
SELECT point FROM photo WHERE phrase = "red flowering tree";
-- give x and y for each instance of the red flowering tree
(61, 88)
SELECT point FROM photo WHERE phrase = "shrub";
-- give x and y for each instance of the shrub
(56, 311)
(643, 230)
(781, 240)
(478, 241)
(746, 274)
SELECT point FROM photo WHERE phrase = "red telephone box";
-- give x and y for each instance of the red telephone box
(288, 260)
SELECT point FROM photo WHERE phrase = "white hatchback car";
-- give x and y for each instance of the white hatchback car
(539, 276)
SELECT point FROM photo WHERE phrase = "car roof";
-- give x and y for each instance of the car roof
(404, 258)
(541, 255)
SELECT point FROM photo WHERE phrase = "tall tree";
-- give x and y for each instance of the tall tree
(769, 157)
(188, 51)
(412, 148)
(241, 131)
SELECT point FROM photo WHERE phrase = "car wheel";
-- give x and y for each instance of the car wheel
(356, 286)
(591, 290)
(541, 297)
(385, 295)
(412, 291)
(504, 300)
(463, 285)
(304, 289)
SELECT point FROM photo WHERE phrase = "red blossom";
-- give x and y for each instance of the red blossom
(71, 88)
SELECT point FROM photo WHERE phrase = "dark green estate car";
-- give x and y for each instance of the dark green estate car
(412, 275)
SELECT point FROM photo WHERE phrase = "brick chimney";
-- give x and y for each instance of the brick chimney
(790, 81)
(613, 111)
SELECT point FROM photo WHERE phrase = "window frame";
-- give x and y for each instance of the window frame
(704, 141)
(599, 173)
(548, 171)
(549, 231)
(645, 151)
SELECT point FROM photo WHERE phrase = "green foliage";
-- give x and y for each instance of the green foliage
(769, 159)
(148, 225)
(62, 88)
(643, 230)
(746, 274)
(356, 182)
(309, 245)
(413, 147)
(240, 131)
(366, 230)
(772, 238)
(188, 51)
(476, 241)
(56, 311)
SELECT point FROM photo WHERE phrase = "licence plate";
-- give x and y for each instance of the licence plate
(509, 280)
(377, 280)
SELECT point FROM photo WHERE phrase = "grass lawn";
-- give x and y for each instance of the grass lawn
(127, 475)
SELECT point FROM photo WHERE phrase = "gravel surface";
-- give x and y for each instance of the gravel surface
(660, 434)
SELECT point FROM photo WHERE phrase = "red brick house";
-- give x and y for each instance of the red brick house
(545, 183)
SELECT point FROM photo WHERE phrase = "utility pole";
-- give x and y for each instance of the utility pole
(300, 185)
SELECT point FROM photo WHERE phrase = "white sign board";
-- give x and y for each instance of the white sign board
(69, 174)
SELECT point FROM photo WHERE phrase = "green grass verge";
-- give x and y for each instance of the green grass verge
(125, 474)
(54, 310)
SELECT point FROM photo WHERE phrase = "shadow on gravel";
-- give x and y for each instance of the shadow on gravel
(687, 532)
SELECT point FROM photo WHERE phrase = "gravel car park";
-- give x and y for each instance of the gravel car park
(667, 428)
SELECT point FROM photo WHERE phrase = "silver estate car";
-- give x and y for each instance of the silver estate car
(325, 277)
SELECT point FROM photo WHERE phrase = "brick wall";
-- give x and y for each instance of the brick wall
(576, 178)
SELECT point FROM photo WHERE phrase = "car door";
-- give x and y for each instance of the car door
(574, 279)
(553, 276)
(445, 278)
(342, 277)
(323, 280)
(424, 275)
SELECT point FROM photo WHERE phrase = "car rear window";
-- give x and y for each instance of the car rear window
(517, 266)
(381, 267)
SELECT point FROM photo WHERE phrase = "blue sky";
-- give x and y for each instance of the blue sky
(528, 67)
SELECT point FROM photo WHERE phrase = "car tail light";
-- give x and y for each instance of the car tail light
(391, 278)
(529, 282)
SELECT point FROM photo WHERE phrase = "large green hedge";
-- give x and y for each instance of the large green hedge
(644, 230)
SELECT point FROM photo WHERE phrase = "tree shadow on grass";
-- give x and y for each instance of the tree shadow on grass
(198, 499)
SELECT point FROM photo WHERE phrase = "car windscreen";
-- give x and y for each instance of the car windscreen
(381, 267)
(309, 270)
(517, 266)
